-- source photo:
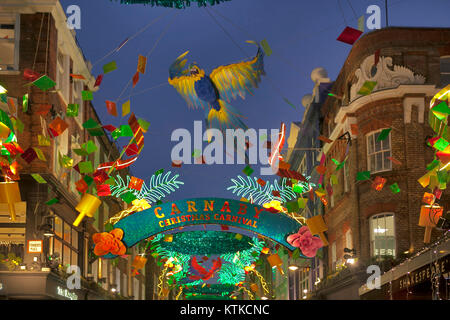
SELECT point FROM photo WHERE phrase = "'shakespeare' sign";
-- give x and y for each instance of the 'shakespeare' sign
(172, 215)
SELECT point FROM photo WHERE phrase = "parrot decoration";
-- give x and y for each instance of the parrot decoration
(213, 92)
(203, 274)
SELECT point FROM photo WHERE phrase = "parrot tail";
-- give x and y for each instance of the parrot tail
(225, 118)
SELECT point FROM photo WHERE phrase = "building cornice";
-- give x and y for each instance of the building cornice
(343, 121)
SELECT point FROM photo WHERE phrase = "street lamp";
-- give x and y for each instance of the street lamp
(293, 267)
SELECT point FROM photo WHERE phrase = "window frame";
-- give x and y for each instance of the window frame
(447, 73)
(16, 41)
(371, 242)
(382, 151)
(64, 243)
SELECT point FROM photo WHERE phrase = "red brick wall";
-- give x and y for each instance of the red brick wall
(419, 50)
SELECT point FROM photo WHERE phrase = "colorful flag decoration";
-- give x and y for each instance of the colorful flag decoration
(265, 46)
(43, 109)
(248, 170)
(44, 83)
(98, 80)
(38, 178)
(367, 88)
(109, 67)
(104, 190)
(126, 108)
(383, 134)
(142, 64)
(111, 108)
(349, 35)
(72, 110)
(87, 95)
(135, 79)
(362, 175)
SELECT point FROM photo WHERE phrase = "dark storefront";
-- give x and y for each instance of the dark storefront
(41, 285)
(425, 277)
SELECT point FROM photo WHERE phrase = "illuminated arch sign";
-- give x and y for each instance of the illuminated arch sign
(198, 211)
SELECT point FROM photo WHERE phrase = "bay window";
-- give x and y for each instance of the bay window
(378, 152)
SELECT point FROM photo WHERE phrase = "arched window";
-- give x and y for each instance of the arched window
(378, 152)
(382, 235)
(445, 70)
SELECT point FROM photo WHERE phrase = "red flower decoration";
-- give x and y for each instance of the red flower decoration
(109, 243)
(305, 241)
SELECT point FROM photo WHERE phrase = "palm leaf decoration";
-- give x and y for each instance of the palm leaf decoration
(159, 186)
(249, 188)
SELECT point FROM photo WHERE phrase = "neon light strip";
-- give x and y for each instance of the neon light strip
(280, 141)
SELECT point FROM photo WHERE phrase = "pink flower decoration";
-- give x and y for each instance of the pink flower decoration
(305, 241)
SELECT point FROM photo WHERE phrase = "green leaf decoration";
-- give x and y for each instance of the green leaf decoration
(248, 187)
(158, 187)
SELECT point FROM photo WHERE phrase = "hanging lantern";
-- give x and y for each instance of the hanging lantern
(254, 287)
(275, 262)
(86, 207)
(429, 216)
(10, 194)
(317, 226)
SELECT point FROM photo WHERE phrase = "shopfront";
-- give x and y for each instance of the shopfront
(41, 285)
(424, 277)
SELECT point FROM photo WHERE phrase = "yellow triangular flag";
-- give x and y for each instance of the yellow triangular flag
(126, 108)
(40, 154)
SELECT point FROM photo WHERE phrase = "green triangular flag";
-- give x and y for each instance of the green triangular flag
(266, 47)
(89, 146)
(72, 110)
(25, 103)
(144, 124)
(362, 175)
(88, 179)
(87, 95)
(91, 123)
(85, 167)
(289, 103)
(248, 170)
(125, 131)
(292, 206)
(38, 178)
(383, 134)
(367, 88)
(109, 67)
(441, 144)
(128, 197)
(52, 201)
(394, 188)
(80, 152)
(44, 83)
(441, 108)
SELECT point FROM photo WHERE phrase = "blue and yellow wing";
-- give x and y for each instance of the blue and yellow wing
(184, 83)
(236, 79)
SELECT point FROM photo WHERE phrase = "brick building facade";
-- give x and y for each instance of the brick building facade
(408, 65)
(38, 38)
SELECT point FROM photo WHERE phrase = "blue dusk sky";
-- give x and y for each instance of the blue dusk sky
(302, 35)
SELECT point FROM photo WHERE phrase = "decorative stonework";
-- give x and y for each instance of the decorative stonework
(385, 74)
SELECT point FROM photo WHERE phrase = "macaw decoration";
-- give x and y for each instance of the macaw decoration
(213, 92)
(205, 275)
